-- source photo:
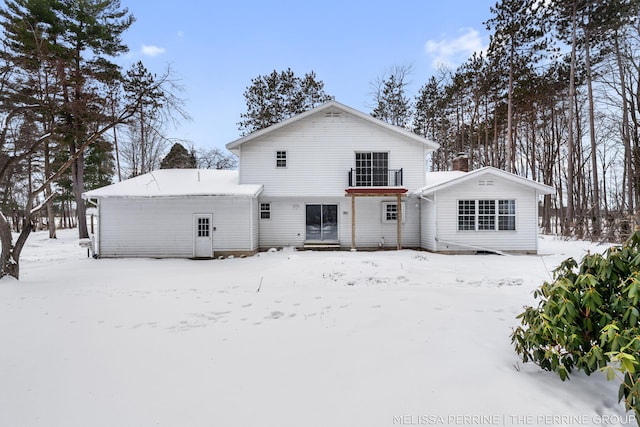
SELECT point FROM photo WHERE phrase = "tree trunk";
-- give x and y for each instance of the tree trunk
(77, 175)
(625, 126)
(595, 215)
(10, 255)
(570, 142)
(511, 155)
(51, 217)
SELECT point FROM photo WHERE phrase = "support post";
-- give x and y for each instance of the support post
(399, 221)
(353, 222)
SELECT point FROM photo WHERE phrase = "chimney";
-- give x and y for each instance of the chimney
(460, 162)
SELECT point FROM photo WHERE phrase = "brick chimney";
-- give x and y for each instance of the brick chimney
(460, 162)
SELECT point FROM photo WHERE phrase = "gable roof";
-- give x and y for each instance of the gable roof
(178, 182)
(335, 105)
(437, 181)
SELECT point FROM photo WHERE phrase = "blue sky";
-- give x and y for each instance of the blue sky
(216, 48)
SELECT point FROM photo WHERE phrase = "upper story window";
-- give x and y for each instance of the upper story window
(372, 169)
(483, 215)
(281, 159)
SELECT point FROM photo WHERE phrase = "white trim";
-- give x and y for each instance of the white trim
(487, 170)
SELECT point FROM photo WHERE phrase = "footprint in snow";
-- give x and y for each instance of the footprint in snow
(275, 315)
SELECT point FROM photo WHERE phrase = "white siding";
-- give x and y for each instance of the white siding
(372, 231)
(163, 227)
(523, 239)
(428, 231)
(286, 227)
(320, 153)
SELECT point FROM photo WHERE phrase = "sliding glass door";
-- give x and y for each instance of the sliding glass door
(322, 222)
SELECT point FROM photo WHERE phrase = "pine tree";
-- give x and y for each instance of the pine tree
(392, 105)
(179, 158)
(275, 97)
(92, 31)
(518, 37)
(142, 88)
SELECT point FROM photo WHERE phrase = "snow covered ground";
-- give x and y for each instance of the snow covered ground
(281, 339)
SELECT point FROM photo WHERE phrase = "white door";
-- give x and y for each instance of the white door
(203, 241)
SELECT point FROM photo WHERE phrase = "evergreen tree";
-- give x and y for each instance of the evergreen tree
(518, 37)
(392, 105)
(179, 158)
(276, 97)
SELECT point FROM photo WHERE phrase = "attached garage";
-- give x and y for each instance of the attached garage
(180, 213)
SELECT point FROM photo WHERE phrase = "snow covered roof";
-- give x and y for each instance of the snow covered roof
(440, 180)
(178, 182)
(437, 178)
(333, 105)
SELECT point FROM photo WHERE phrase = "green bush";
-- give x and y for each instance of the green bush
(588, 319)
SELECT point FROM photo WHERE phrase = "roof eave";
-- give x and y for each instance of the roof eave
(541, 189)
(234, 145)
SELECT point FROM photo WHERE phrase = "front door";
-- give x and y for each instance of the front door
(203, 241)
(322, 222)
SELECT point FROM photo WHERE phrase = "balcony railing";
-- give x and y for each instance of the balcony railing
(375, 178)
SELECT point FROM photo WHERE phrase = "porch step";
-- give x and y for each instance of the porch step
(321, 246)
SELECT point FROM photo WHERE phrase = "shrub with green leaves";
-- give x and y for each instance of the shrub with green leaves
(588, 319)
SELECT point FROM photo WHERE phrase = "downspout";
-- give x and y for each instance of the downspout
(95, 239)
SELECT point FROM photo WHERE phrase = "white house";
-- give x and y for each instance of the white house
(332, 177)
(309, 163)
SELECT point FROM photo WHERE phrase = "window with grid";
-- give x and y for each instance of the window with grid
(372, 169)
(486, 214)
(203, 227)
(506, 214)
(265, 210)
(390, 211)
(466, 215)
(281, 159)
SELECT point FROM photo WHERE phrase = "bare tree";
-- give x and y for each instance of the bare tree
(215, 158)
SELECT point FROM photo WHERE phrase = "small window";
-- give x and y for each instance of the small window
(265, 210)
(281, 159)
(390, 212)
